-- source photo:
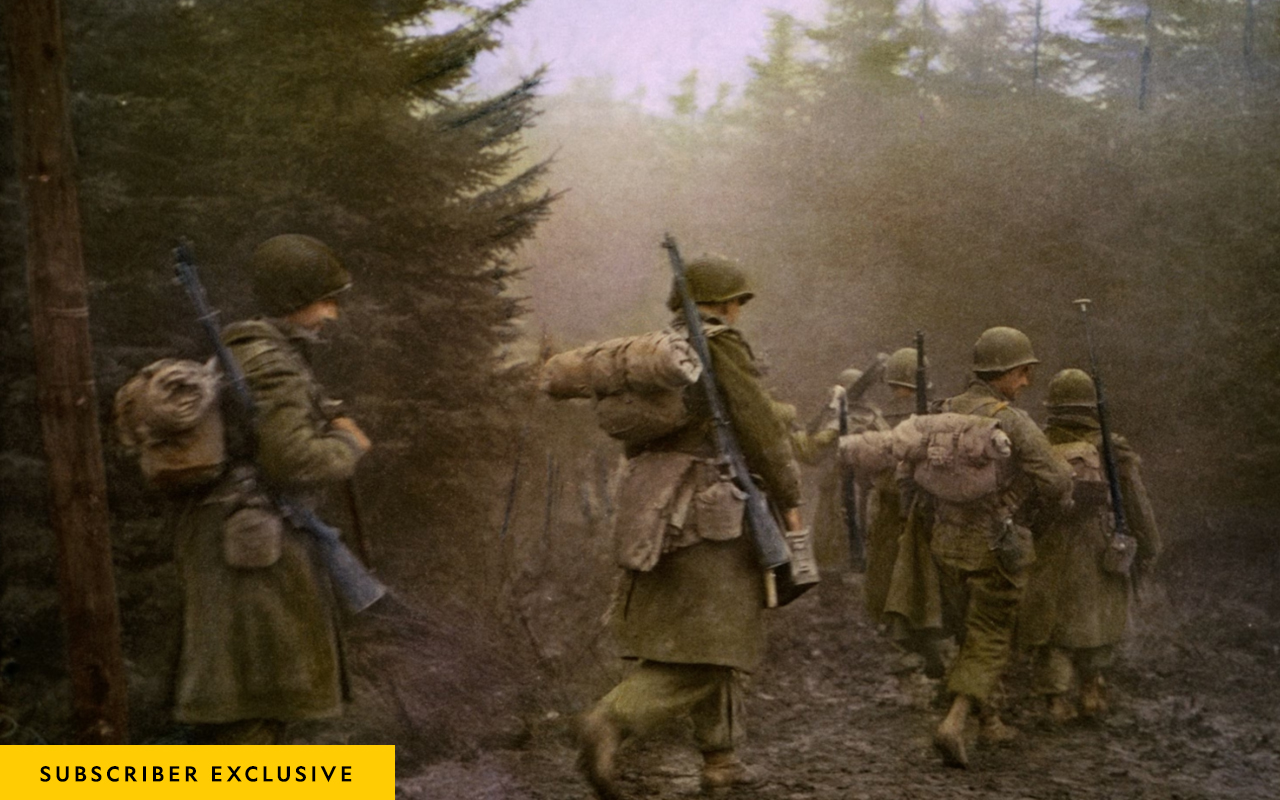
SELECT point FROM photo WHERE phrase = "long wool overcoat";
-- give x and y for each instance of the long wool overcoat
(1071, 602)
(703, 603)
(263, 642)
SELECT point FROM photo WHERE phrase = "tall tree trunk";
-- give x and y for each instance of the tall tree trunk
(1145, 68)
(64, 367)
(1035, 53)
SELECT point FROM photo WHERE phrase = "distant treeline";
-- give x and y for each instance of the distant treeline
(883, 173)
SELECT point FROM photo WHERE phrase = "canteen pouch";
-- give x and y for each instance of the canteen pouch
(253, 533)
(1014, 548)
(718, 510)
(1117, 559)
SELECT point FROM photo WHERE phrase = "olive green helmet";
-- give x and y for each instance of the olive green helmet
(900, 368)
(1072, 388)
(1002, 349)
(713, 279)
(849, 377)
(292, 271)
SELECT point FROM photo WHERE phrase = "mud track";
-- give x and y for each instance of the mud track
(1195, 698)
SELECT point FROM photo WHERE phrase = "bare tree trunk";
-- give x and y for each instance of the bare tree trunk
(64, 368)
(1145, 68)
(1035, 53)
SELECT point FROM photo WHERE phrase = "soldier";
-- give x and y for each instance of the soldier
(886, 510)
(901, 576)
(817, 448)
(1075, 611)
(694, 621)
(260, 646)
(982, 547)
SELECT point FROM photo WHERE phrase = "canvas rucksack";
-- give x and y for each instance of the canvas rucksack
(168, 416)
(636, 383)
(1089, 479)
(958, 458)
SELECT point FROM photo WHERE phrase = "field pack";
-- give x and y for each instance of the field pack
(1089, 481)
(636, 383)
(954, 457)
(168, 416)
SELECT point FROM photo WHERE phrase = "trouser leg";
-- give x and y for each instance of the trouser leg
(657, 692)
(1051, 669)
(989, 619)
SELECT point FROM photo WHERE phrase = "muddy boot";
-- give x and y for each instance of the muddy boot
(600, 739)
(991, 729)
(948, 739)
(722, 769)
(1093, 698)
(1059, 709)
(934, 665)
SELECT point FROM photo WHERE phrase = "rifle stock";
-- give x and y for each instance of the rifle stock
(784, 581)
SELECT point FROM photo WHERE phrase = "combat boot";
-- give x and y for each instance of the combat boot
(1060, 709)
(1093, 698)
(993, 730)
(722, 769)
(600, 739)
(948, 739)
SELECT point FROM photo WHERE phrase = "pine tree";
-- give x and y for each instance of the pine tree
(231, 122)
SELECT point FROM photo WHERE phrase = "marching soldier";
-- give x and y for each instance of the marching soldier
(818, 448)
(902, 583)
(982, 547)
(693, 622)
(260, 646)
(1075, 610)
(886, 513)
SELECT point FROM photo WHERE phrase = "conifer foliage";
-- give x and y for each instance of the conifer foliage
(228, 122)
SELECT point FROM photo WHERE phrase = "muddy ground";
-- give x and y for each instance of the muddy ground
(1195, 696)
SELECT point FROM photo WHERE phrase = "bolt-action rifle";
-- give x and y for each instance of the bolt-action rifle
(355, 585)
(848, 480)
(787, 559)
(922, 382)
(1118, 558)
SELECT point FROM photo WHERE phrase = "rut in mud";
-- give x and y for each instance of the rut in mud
(1195, 705)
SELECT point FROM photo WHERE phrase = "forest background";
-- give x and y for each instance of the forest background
(884, 170)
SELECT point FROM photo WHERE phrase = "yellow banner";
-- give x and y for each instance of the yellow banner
(242, 772)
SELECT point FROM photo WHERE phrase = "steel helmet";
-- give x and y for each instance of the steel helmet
(900, 369)
(292, 271)
(1072, 388)
(1002, 349)
(713, 279)
(849, 377)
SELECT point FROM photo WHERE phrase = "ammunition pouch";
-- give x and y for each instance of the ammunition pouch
(669, 500)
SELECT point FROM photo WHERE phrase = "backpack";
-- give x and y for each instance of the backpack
(636, 383)
(957, 458)
(1089, 480)
(168, 415)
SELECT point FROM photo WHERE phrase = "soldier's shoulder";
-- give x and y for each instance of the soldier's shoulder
(256, 342)
(725, 338)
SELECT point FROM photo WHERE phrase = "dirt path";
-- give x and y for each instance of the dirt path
(1196, 702)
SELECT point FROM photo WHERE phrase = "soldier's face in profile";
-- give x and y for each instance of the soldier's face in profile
(732, 310)
(313, 317)
(1011, 383)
